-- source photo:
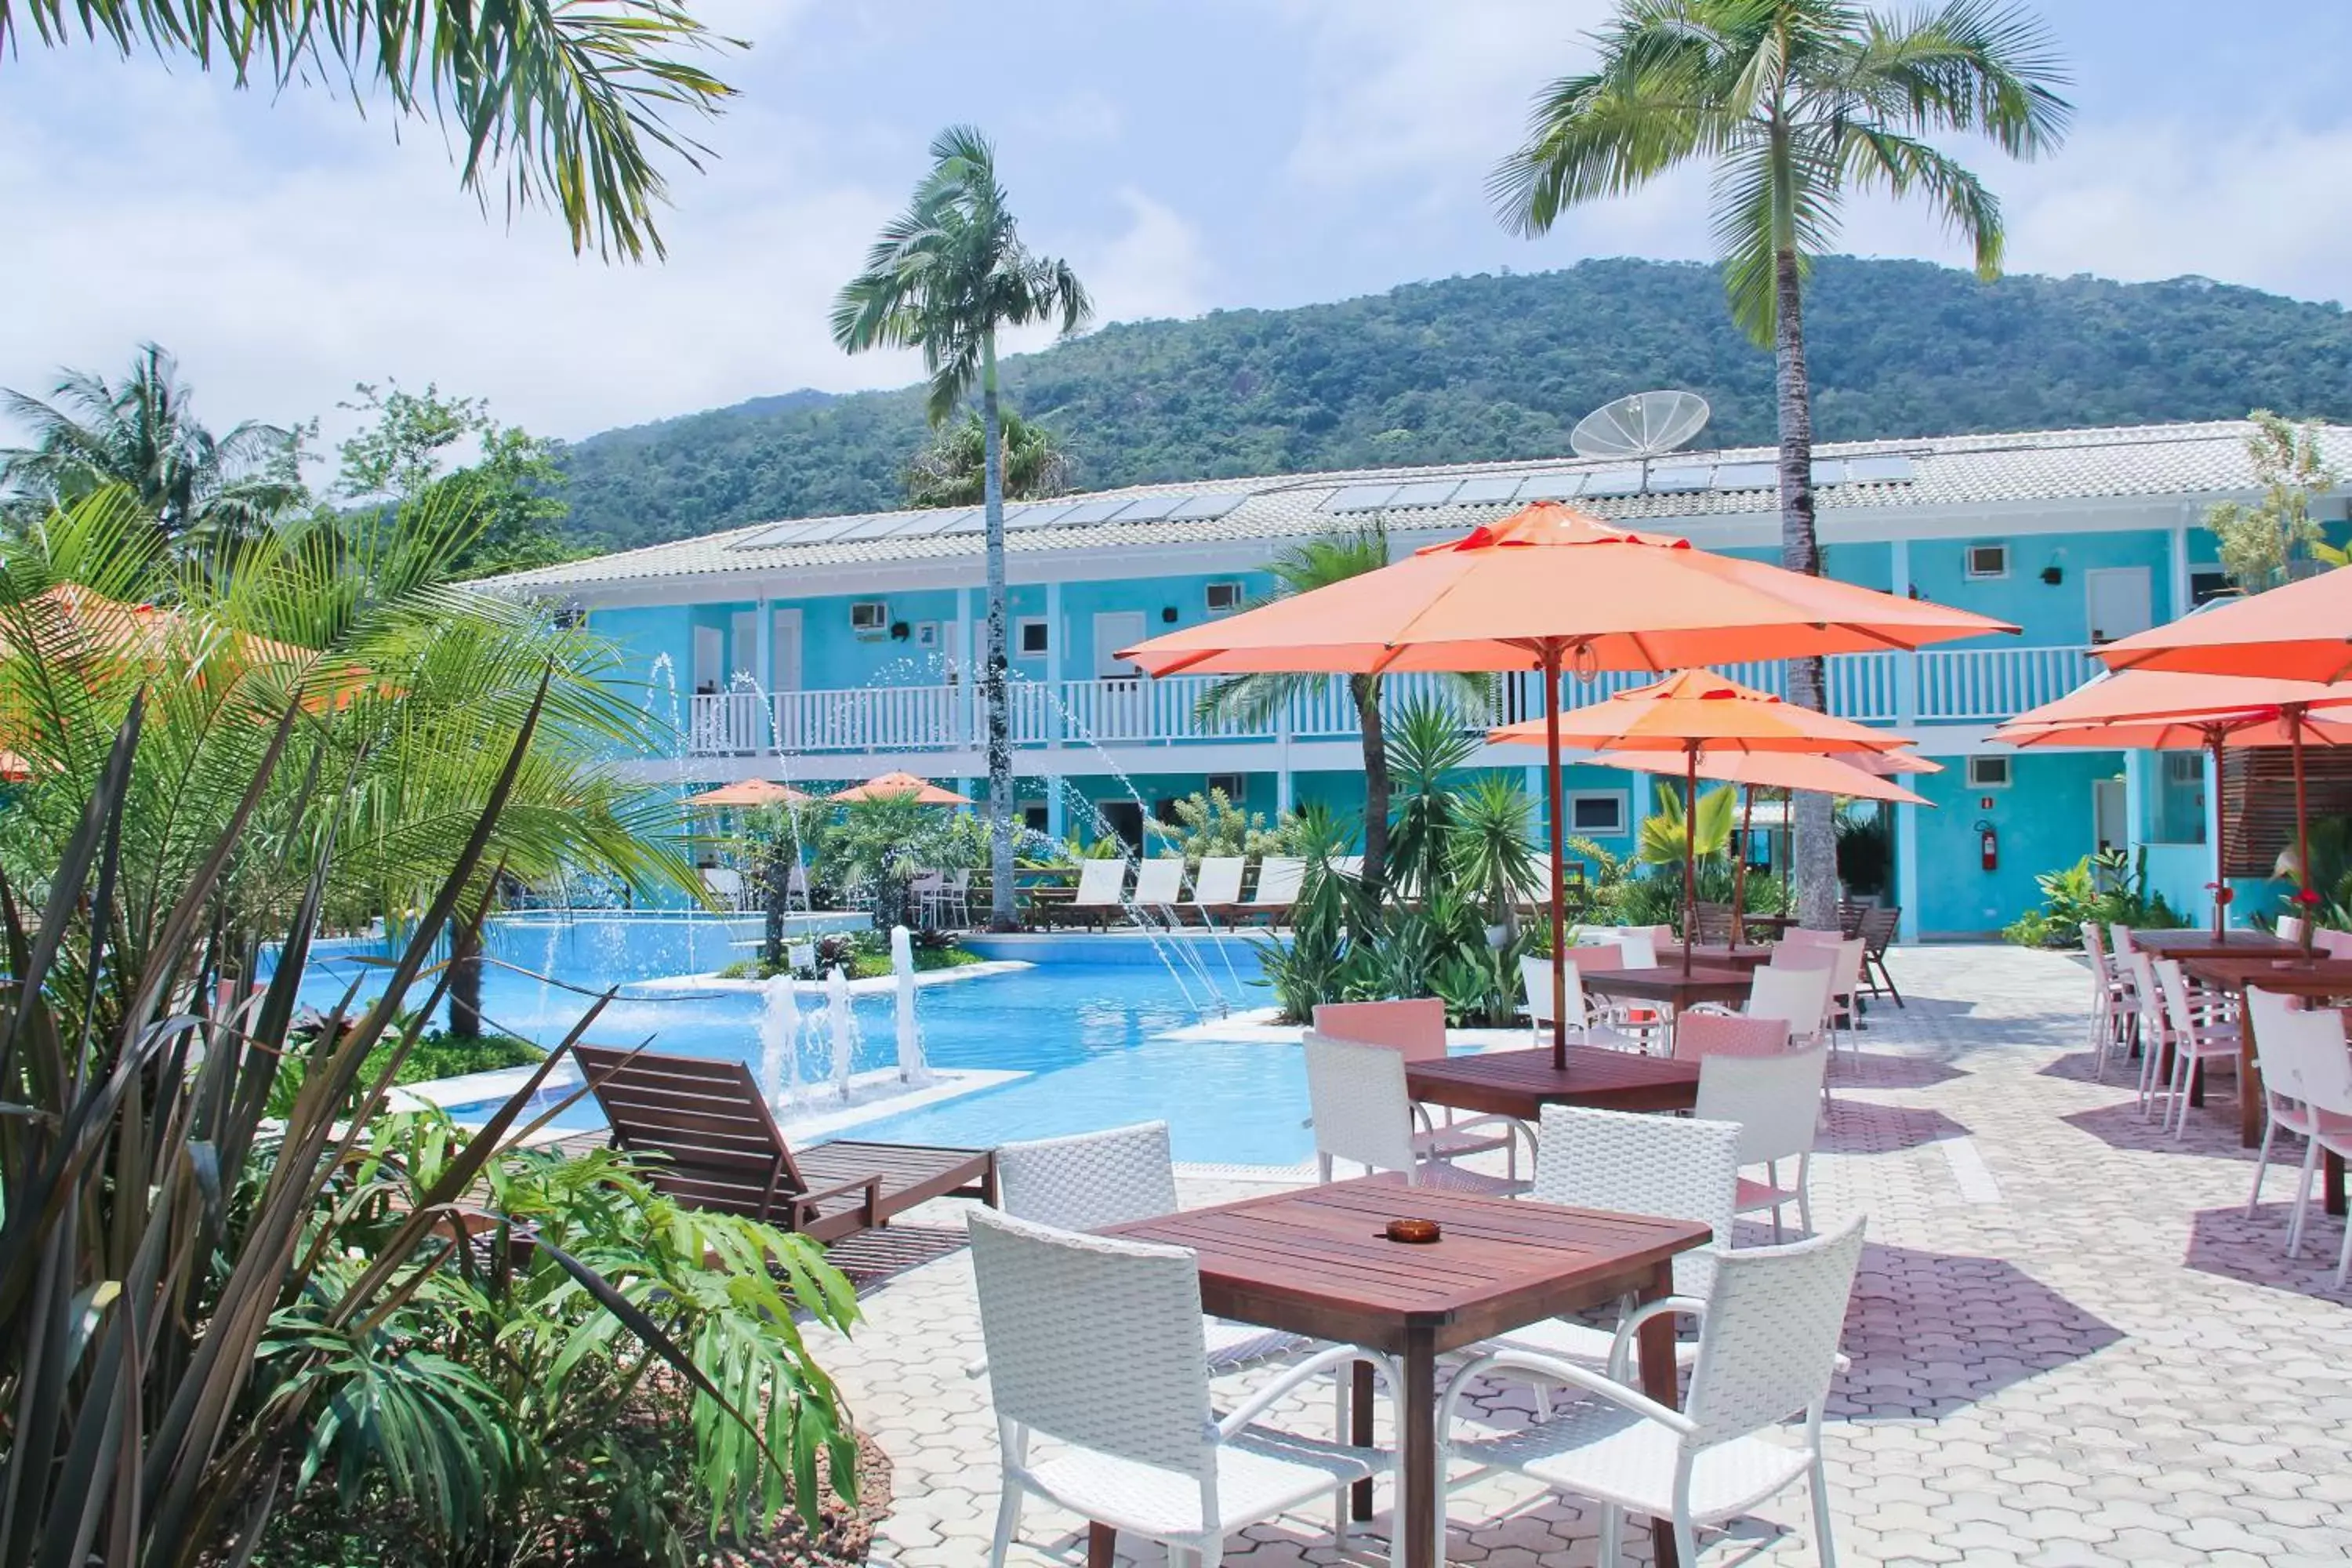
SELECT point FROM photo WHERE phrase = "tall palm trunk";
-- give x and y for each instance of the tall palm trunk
(1366, 690)
(466, 979)
(1812, 822)
(1001, 916)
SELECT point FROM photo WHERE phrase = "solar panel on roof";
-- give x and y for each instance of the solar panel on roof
(769, 538)
(1044, 514)
(1889, 470)
(1488, 491)
(827, 530)
(974, 520)
(1613, 482)
(872, 528)
(1149, 509)
(1552, 487)
(1359, 498)
(1680, 480)
(1829, 471)
(1746, 477)
(1089, 511)
(1425, 492)
(1203, 508)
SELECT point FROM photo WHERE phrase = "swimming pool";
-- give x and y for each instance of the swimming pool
(1086, 1027)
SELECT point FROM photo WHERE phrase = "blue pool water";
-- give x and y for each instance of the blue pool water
(1085, 1027)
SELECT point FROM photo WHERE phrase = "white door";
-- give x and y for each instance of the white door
(706, 724)
(784, 677)
(709, 660)
(2118, 600)
(2107, 814)
(1122, 709)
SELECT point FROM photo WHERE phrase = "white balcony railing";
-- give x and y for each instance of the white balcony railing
(1956, 685)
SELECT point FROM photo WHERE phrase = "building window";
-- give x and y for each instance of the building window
(1987, 561)
(1988, 773)
(2178, 817)
(869, 619)
(1232, 787)
(1224, 598)
(2207, 584)
(1597, 813)
(1032, 637)
(1034, 815)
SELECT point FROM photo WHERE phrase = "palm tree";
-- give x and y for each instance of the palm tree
(142, 433)
(1255, 700)
(566, 100)
(1793, 103)
(952, 468)
(945, 275)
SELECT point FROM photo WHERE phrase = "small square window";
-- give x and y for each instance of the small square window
(869, 619)
(1987, 560)
(1034, 817)
(1597, 812)
(1234, 787)
(2207, 584)
(1032, 637)
(1224, 598)
(1988, 773)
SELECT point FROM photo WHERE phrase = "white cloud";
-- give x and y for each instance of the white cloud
(1157, 268)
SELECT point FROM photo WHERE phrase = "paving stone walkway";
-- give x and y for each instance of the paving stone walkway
(2069, 1344)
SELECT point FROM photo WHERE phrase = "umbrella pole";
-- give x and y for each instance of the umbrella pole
(2213, 742)
(1559, 847)
(1739, 866)
(1690, 852)
(2305, 901)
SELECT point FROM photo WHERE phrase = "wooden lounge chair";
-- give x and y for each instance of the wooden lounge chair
(1878, 927)
(717, 1146)
(1100, 885)
(1279, 878)
(1216, 888)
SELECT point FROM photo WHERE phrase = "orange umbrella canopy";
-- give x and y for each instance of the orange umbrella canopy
(2302, 631)
(749, 792)
(1772, 770)
(1697, 707)
(1549, 576)
(1890, 764)
(2170, 710)
(901, 787)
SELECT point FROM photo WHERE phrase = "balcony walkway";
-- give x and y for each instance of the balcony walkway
(1949, 687)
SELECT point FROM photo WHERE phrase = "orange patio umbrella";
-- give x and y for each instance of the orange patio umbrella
(749, 792)
(2165, 710)
(1891, 765)
(901, 787)
(1688, 713)
(2302, 631)
(1552, 589)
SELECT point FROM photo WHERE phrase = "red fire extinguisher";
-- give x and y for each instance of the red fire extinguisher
(1989, 847)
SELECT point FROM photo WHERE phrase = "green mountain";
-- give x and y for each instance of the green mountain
(1494, 367)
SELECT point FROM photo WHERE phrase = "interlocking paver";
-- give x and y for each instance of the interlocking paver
(2070, 1344)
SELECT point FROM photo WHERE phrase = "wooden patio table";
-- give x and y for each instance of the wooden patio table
(1522, 1083)
(1312, 1262)
(2315, 979)
(2185, 945)
(1747, 958)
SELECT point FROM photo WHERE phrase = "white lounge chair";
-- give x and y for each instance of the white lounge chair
(1159, 886)
(1279, 879)
(1216, 888)
(1101, 886)
(1095, 1344)
(1768, 1349)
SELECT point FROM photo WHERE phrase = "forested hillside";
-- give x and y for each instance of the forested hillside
(1491, 367)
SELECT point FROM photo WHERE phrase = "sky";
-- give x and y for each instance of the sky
(1185, 155)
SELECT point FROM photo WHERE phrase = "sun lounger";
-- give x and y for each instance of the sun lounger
(1100, 885)
(1279, 877)
(1216, 888)
(1159, 885)
(715, 1146)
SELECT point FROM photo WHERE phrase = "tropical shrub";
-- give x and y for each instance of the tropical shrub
(1211, 823)
(1865, 849)
(2107, 888)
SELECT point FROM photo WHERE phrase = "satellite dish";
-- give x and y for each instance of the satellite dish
(1644, 425)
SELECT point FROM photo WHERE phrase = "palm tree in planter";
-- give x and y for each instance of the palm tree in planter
(1255, 700)
(1795, 104)
(944, 276)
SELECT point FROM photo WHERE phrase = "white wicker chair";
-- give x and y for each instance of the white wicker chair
(1767, 1350)
(1362, 1112)
(1670, 1167)
(1091, 1180)
(1776, 1101)
(1095, 1344)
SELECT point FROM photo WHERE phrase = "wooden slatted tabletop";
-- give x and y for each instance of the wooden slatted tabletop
(1671, 985)
(1312, 1262)
(2205, 944)
(1522, 1083)
(1748, 957)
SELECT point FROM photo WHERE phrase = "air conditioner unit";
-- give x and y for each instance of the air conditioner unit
(1234, 786)
(1224, 598)
(869, 619)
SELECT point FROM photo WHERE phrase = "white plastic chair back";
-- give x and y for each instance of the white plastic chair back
(1159, 882)
(2119, 939)
(1640, 946)
(1668, 1166)
(1599, 952)
(1100, 883)
(2174, 987)
(1089, 1180)
(2290, 928)
(1219, 880)
(1700, 1035)
(2320, 1060)
(2096, 947)
(1415, 1026)
(2334, 943)
(1357, 1096)
(1534, 984)
(1279, 877)
(1796, 993)
(1095, 1341)
(1769, 1344)
(1776, 1101)
(1847, 971)
(1806, 936)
